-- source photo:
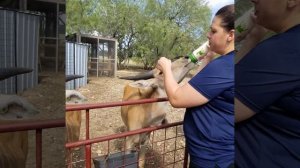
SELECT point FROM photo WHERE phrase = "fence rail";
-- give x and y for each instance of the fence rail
(112, 104)
(88, 142)
(32, 125)
(38, 126)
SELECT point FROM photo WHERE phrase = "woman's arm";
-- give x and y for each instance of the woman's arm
(206, 59)
(185, 95)
(181, 96)
(241, 111)
(256, 34)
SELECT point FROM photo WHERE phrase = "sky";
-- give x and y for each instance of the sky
(215, 5)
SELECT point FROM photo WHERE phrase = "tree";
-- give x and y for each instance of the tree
(145, 29)
(78, 16)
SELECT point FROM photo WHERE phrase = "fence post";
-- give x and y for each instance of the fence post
(186, 157)
(88, 156)
(38, 148)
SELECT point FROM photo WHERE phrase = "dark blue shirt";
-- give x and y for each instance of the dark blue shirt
(268, 82)
(209, 129)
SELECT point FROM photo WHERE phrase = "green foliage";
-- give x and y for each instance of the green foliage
(78, 16)
(145, 29)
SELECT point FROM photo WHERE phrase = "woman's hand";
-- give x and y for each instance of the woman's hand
(208, 57)
(163, 64)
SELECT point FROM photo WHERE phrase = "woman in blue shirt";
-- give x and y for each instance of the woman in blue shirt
(209, 98)
(267, 104)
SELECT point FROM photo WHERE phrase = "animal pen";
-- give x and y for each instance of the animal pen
(165, 149)
(102, 59)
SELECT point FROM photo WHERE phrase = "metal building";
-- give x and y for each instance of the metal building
(102, 54)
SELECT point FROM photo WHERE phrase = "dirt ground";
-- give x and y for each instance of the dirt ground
(108, 121)
(49, 98)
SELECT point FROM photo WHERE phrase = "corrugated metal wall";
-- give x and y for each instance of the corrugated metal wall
(19, 34)
(76, 63)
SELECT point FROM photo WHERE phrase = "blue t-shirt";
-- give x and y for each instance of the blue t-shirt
(209, 129)
(268, 82)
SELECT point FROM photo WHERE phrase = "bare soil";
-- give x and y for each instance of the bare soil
(49, 98)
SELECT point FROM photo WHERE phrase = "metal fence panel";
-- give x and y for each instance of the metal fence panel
(76, 63)
(165, 148)
(19, 34)
(7, 45)
(27, 48)
(70, 47)
(81, 62)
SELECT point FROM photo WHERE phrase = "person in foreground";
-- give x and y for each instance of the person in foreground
(208, 97)
(267, 103)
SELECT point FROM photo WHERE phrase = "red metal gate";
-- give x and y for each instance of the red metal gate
(38, 126)
(167, 141)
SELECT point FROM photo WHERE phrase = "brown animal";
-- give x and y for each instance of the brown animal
(142, 116)
(14, 145)
(73, 119)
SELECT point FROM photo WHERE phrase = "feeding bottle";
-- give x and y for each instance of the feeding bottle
(196, 55)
